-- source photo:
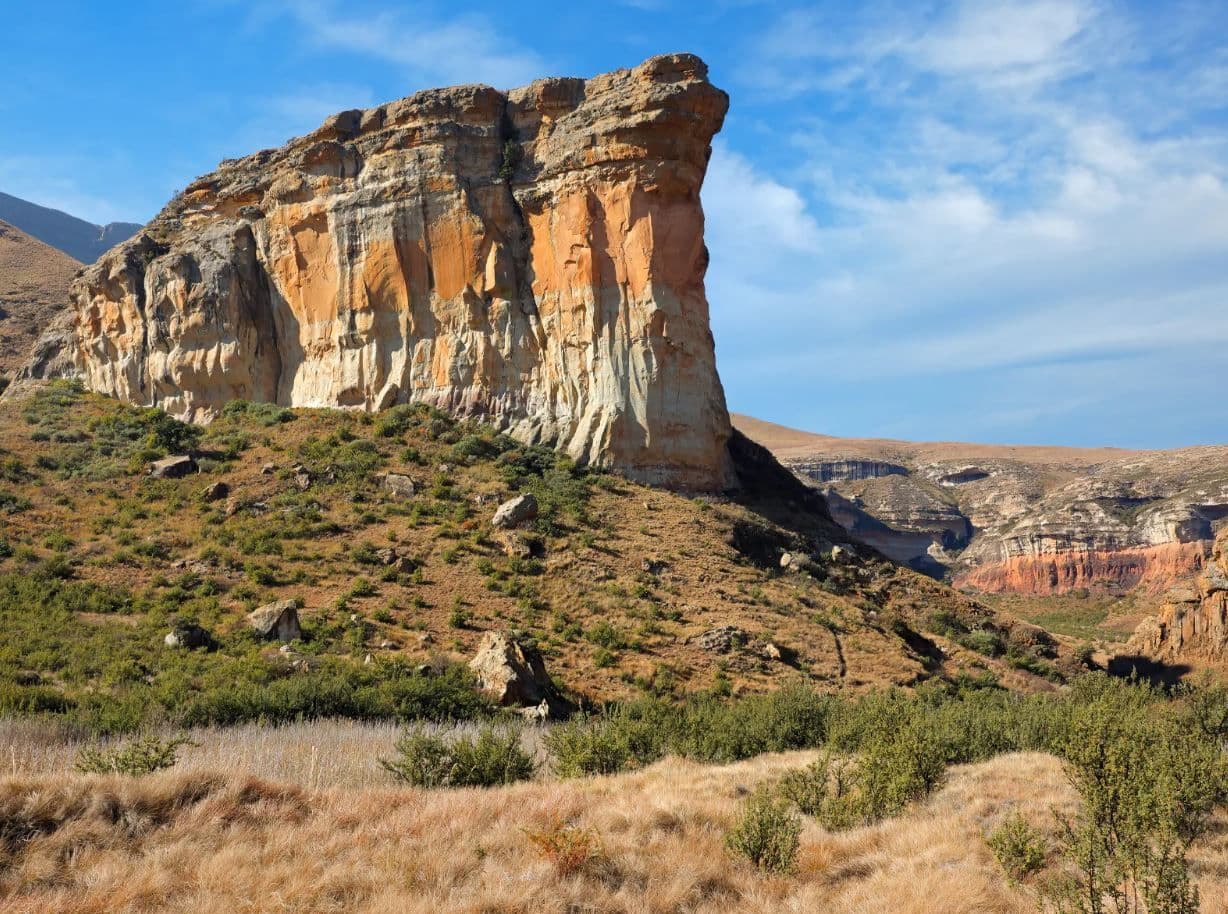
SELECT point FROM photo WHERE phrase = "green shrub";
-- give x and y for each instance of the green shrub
(767, 834)
(824, 790)
(1018, 847)
(141, 756)
(1147, 787)
(587, 746)
(493, 757)
(262, 414)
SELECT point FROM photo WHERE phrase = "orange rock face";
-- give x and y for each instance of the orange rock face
(534, 258)
(1193, 623)
(1151, 568)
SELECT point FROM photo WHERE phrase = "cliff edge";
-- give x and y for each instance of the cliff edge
(534, 258)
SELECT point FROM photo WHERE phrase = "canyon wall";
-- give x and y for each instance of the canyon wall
(1034, 520)
(534, 258)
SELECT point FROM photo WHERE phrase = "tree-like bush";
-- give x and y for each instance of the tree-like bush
(767, 834)
(431, 759)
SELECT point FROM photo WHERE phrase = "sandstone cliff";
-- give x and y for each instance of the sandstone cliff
(1019, 519)
(1193, 623)
(534, 257)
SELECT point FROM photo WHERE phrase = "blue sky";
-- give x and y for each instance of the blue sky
(1003, 220)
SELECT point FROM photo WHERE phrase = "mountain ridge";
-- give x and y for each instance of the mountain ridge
(82, 240)
(34, 282)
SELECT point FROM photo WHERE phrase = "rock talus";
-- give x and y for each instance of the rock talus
(534, 258)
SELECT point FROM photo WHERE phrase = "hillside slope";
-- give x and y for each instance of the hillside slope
(34, 279)
(83, 241)
(626, 588)
(1019, 519)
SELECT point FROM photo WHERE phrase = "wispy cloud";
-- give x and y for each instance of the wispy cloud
(462, 48)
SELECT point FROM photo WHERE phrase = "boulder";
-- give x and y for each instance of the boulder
(393, 559)
(516, 511)
(720, 640)
(215, 491)
(172, 467)
(512, 672)
(276, 621)
(399, 485)
(188, 635)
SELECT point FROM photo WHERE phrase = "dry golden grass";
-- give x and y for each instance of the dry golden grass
(315, 755)
(193, 842)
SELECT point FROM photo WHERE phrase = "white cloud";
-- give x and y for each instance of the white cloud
(465, 48)
(977, 210)
(1015, 40)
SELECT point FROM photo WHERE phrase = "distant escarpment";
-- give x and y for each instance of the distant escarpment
(534, 258)
(1027, 520)
(1193, 622)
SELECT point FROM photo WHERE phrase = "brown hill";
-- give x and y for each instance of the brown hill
(34, 279)
(1019, 519)
(624, 587)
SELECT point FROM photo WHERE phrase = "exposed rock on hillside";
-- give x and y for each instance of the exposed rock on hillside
(1192, 624)
(34, 281)
(1019, 519)
(534, 257)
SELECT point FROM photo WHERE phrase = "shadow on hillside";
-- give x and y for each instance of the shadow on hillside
(775, 494)
(1148, 669)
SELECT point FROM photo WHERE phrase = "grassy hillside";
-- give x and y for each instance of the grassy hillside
(98, 561)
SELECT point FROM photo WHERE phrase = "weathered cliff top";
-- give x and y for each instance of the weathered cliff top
(533, 257)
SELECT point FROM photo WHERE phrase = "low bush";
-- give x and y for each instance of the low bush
(1018, 847)
(568, 848)
(140, 757)
(767, 834)
(493, 757)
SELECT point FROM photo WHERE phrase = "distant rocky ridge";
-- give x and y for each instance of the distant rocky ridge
(534, 257)
(34, 281)
(81, 240)
(1019, 519)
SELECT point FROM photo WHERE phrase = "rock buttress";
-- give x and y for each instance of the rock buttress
(534, 258)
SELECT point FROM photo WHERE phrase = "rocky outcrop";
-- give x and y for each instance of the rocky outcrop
(1193, 623)
(511, 670)
(1020, 519)
(534, 258)
(276, 621)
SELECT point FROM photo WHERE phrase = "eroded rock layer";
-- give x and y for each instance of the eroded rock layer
(1033, 520)
(1193, 622)
(533, 257)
